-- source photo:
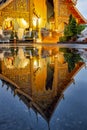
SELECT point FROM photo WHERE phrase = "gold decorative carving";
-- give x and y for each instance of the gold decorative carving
(9, 7)
(21, 5)
(63, 10)
(16, 9)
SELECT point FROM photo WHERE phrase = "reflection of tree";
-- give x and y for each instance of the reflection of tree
(71, 57)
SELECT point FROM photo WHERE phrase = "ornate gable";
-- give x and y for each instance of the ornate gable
(21, 5)
(9, 7)
(17, 5)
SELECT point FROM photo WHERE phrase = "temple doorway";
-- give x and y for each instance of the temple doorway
(50, 9)
(50, 14)
(14, 24)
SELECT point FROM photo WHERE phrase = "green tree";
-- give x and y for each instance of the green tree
(71, 30)
(73, 26)
(80, 28)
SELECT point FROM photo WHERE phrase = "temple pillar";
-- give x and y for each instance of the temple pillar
(1, 20)
(56, 11)
(61, 14)
(30, 13)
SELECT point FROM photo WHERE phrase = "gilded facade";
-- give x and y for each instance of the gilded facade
(26, 9)
(34, 12)
(15, 9)
(62, 9)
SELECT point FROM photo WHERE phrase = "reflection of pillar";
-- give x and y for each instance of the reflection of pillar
(31, 75)
(55, 80)
(39, 51)
(0, 66)
(30, 13)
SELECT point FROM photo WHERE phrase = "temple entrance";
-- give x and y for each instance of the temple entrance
(14, 24)
(50, 14)
(50, 9)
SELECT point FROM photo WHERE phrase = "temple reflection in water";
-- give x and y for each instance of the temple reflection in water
(39, 76)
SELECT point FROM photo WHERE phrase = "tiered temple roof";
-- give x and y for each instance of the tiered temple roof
(76, 12)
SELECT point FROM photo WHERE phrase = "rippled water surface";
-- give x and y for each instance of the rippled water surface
(43, 88)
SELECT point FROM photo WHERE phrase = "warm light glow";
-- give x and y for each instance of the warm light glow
(39, 20)
(35, 63)
(34, 22)
(24, 22)
(38, 40)
(10, 24)
(8, 19)
(20, 33)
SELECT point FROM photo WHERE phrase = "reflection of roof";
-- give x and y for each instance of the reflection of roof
(45, 113)
(36, 104)
(8, 80)
(47, 110)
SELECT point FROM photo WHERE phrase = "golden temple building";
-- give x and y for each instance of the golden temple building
(53, 14)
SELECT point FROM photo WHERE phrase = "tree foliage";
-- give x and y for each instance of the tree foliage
(80, 28)
(71, 57)
(71, 30)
